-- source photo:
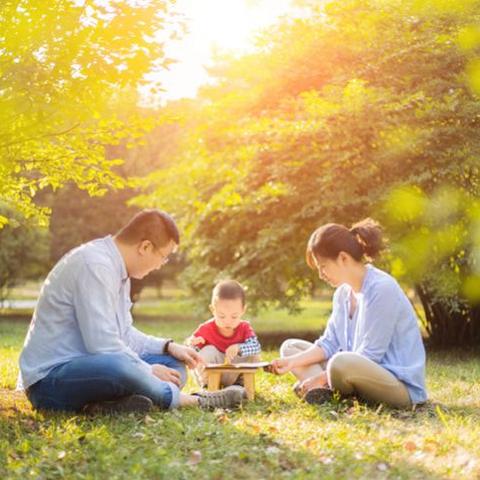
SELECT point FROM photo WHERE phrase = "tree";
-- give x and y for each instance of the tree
(23, 252)
(435, 245)
(331, 114)
(77, 217)
(64, 64)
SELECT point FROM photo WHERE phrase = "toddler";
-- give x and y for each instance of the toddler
(226, 338)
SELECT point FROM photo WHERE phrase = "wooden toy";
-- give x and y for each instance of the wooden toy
(214, 374)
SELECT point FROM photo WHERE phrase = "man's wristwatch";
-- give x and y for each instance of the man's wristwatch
(167, 344)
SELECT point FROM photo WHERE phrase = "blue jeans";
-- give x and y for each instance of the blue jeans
(101, 377)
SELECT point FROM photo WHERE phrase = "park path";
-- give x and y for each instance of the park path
(18, 304)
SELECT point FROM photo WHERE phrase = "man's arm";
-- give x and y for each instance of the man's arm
(95, 301)
(142, 343)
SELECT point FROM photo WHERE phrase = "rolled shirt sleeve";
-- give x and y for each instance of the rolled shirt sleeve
(251, 346)
(329, 341)
(144, 344)
(138, 341)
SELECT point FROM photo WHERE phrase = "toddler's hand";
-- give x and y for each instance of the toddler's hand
(231, 352)
(194, 341)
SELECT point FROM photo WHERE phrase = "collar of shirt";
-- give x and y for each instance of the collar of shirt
(117, 256)
(366, 278)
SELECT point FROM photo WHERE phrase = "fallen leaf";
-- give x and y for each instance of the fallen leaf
(382, 466)
(272, 450)
(431, 445)
(223, 418)
(255, 428)
(311, 442)
(195, 457)
(286, 464)
(148, 419)
(410, 446)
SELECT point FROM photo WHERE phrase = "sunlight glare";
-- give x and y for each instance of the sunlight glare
(213, 26)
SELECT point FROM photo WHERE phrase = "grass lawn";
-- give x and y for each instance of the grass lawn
(276, 436)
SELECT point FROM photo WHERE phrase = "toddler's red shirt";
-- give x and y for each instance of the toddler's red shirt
(209, 331)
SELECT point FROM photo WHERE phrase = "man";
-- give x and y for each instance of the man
(82, 352)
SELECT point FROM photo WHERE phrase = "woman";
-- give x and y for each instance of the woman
(372, 345)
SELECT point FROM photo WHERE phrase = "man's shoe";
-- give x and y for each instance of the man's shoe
(132, 403)
(230, 397)
(317, 396)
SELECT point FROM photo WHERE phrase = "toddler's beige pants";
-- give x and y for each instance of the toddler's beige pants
(212, 355)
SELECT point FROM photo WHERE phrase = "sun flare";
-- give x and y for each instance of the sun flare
(214, 25)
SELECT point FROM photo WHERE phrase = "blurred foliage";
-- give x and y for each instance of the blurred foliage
(23, 252)
(333, 111)
(351, 109)
(78, 217)
(64, 65)
(436, 245)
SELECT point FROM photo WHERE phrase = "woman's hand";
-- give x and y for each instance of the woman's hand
(318, 381)
(280, 366)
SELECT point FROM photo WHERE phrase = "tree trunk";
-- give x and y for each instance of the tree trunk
(447, 328)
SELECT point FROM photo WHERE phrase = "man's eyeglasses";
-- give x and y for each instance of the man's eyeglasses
(165, 260)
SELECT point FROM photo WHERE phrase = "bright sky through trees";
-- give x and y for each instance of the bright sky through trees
(214, 25)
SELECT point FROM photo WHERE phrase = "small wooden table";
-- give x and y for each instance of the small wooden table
(248, 370)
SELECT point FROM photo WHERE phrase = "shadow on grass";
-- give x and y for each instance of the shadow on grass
(176, 445)
(436, 409)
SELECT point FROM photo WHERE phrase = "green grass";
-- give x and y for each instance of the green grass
(276, 436)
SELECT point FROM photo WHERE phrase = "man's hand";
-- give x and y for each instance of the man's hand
(280, 366)
(231, 352)
(318, 381)
(166, 374)
(185, 354)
